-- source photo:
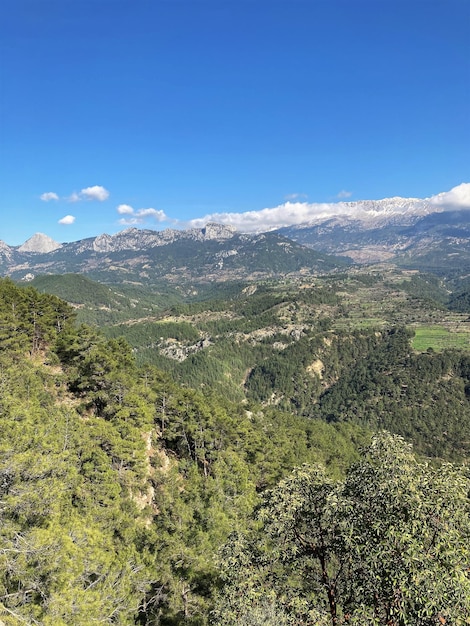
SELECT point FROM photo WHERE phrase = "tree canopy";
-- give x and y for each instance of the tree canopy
(386, 546)
(118, 487)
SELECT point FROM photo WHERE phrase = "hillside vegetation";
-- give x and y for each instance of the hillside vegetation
(134, 495)
(118, 486)
(380, 349)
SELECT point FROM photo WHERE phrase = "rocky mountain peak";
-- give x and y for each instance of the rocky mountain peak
(103, 243)
(40, 244)
(212, 230)
(5, 251)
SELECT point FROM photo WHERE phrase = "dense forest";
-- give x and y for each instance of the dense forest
(135, 495)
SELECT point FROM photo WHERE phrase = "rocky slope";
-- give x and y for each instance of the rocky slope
(39, 243)
(213, 253)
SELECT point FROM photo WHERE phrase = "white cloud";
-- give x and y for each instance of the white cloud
(125, 209)
(97, 192)
(457, 197)
(158, 215)
(49, 195)
(138, 217)
(344, 194)
(74, 197)
(295, 196)
(292, 213)
(287, 214)
(130, 221)
(67, 219)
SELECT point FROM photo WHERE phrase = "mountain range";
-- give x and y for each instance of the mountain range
(408, 232)
(213, 253)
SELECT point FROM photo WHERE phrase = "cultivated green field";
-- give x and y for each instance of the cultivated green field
(439, 338)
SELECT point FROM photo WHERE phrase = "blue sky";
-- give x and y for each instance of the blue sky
(174, 110)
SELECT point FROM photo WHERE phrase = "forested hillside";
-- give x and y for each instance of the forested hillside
(118, 486)
(378, 349)
(127, 498)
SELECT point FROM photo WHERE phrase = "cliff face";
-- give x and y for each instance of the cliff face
(40, 244)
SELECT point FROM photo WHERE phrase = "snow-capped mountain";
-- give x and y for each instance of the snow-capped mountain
(431, 234)
(371, 213)
(389, 229)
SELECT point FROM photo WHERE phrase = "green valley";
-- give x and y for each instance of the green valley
(150, 440)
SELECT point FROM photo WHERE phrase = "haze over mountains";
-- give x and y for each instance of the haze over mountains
(427, 234)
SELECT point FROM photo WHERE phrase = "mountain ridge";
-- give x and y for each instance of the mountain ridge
(396, 238)
(213, 253)
(409, 232)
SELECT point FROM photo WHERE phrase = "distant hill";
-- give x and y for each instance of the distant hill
(146, 257)
(95, 303)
